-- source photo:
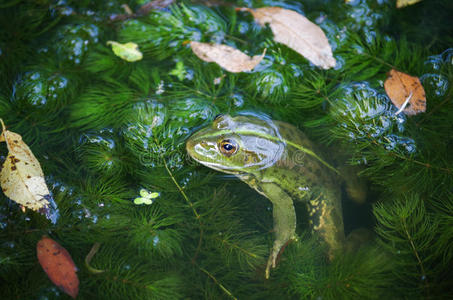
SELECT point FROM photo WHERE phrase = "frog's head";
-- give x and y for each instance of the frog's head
(237, 145)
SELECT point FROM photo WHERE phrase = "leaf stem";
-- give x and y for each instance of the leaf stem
(236, 39)
(380, 60)
(426, 165)
(218, 283)
(447, 99)
(197, 216)
(422, 269)
(225, 241)
(181, 191)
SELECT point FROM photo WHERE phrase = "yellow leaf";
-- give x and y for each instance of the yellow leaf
(403, 3)
(21, 178)
(227, 57)
(128, 52)
(296, 32)
(406, 92)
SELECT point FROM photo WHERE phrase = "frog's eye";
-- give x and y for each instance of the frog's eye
(228, 147)
(218, 117)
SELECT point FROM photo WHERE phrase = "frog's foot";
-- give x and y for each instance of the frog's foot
(270, 263)
(277, 249)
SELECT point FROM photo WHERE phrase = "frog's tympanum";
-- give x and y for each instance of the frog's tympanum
(278, 161)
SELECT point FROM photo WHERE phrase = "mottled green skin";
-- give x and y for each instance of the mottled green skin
(277, 170)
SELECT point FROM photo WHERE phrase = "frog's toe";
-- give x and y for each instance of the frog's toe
(270, 264)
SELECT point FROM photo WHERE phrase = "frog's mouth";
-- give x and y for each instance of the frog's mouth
(207, 154)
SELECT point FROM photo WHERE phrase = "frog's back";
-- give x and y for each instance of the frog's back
(306, 170)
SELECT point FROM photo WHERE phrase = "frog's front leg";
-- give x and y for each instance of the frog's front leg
(284, 220)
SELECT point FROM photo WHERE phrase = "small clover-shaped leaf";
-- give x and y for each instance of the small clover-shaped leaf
(146, 197)
(179, 71)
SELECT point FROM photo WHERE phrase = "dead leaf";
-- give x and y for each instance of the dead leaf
(128, 51)
(227, 57)
(403, 3)
(21, 178)
(59, 266)
(296, 32)
(406, 92)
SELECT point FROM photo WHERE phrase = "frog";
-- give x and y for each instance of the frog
(280, 162)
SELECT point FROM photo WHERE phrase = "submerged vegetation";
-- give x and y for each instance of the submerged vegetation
(104, 129)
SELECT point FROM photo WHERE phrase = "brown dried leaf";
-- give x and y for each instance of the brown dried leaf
(21, 178)
(225, 56)
(296, 32)
(59, 266)
(406, 92)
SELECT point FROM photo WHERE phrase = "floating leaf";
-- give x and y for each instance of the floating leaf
(128, 52)
(296, 32)
(22, 179)
(146, 197)
(227, 57)
(179, 71)
(58, 264)
(403, 3)
(406, 92)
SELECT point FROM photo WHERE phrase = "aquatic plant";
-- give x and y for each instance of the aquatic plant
(104, 129)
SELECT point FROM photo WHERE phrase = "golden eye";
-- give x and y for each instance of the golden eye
(228, 147)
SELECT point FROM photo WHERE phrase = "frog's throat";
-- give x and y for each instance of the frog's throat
(272, 138)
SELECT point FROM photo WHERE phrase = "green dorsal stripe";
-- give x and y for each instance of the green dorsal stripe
(276, 139)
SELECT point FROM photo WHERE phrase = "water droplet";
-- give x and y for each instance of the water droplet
(448, 56)
(437, 82)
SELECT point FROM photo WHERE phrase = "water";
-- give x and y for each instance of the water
(103, 129)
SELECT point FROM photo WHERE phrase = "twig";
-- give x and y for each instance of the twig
(89, 256)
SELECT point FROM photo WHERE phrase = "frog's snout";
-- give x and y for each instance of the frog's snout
(201, 151)
(189, 145)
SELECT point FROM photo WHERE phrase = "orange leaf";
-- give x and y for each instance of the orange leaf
(406, 92)
(58, 264)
